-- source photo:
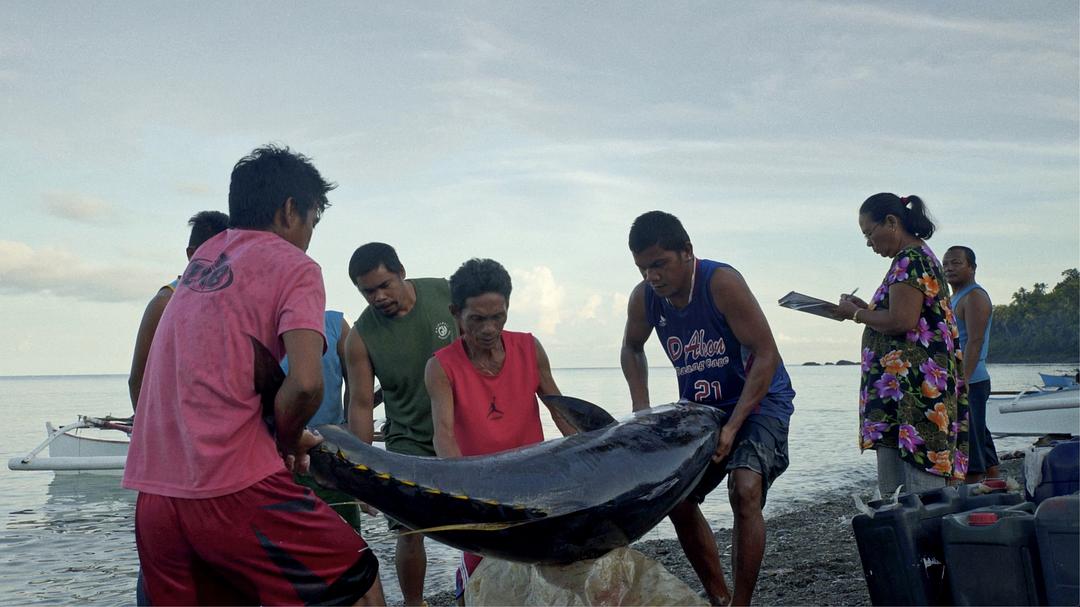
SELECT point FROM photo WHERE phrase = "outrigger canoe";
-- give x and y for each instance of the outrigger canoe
(91, 444)
(1034, 412)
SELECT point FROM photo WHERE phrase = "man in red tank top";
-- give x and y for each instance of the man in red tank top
(484, 385)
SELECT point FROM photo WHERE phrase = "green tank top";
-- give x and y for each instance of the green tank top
(399, 348)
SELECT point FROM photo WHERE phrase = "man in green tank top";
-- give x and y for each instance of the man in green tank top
(405, 322)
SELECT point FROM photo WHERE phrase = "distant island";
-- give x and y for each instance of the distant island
(1040, 325)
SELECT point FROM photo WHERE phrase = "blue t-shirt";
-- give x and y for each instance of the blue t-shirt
(980, 374)
(709, 361)
(331, 409)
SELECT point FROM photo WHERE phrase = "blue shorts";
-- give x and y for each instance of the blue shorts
(760, 445)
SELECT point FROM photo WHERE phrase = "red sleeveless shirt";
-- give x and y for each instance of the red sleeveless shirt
(497, 412)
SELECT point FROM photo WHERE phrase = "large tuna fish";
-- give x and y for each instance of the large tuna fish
(558, 501)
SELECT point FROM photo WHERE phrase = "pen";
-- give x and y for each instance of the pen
(853, 292)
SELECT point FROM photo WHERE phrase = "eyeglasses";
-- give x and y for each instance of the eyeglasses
(870, 234)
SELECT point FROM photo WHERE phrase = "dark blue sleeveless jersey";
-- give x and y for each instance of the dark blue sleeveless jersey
(709, 360)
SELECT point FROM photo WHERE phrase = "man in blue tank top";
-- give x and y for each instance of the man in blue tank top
(724, 355)
(204, 226)
(974, 313)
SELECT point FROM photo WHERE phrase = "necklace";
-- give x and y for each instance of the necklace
(693, 277)
(488, 367)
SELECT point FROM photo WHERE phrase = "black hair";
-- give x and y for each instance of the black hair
(910, 210)
(657, 228)
(205, 225)
(968, 253)
(476, 277)
(264, 179)
(370, 256)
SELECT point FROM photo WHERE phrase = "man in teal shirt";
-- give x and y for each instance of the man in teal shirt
(974, 314)
(405, 322)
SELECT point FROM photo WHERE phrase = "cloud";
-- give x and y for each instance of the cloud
(592, 304)
(481, 97)
(1013, 31)
(494, 75)
(194, 189)
(540, 304)
(619, 301)
(537, 294)
(77, 207)
(58, 272)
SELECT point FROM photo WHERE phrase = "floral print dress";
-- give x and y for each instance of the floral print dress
(912, 396)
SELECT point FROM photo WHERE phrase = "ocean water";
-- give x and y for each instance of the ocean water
(68, 538)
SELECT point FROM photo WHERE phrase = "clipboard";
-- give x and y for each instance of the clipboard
(811, 305)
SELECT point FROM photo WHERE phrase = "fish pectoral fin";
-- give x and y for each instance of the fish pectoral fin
(581, 414)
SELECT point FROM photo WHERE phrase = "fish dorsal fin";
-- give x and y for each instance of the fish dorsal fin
(581, 414)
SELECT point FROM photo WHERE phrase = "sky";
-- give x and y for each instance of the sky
(532, 133)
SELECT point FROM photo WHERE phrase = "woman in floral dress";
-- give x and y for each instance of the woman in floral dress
(912, 401)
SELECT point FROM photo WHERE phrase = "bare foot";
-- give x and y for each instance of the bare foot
(716, 601)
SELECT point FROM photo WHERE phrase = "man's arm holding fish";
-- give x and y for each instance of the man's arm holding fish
(548, 387)
(734, 300)
(361, 387)
(635, 365)
(299, 397)
(442, 409)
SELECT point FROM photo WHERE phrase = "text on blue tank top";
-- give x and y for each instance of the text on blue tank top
(707, 357)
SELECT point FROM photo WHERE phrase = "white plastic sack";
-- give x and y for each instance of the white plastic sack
(1033, 459)
(620, 577)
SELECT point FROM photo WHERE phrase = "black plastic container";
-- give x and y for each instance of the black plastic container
(900, 545)
(1060, 471)
(992, 556)
(1057, 526)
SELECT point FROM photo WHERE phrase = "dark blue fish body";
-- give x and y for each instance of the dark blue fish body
(558, 501)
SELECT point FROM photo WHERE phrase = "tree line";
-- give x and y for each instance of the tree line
(1040, 325)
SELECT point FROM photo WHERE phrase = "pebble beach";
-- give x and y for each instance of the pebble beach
(810, 557)
(810, 554)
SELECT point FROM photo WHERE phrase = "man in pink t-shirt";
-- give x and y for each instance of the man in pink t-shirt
(219, 519)
(484, 385)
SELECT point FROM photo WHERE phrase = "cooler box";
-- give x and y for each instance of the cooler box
(1060, 471)
(900, 545)
(992, 557)
(1057, 526)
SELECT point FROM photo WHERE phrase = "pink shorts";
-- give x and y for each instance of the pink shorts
(466, 566)
(273, 543)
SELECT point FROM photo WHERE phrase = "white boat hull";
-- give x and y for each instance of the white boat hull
(1034, 413)
(76, 449)
(70, 464)
(80, 447)
(1038, 401)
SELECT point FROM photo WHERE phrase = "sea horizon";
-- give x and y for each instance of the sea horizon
(810, 363)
